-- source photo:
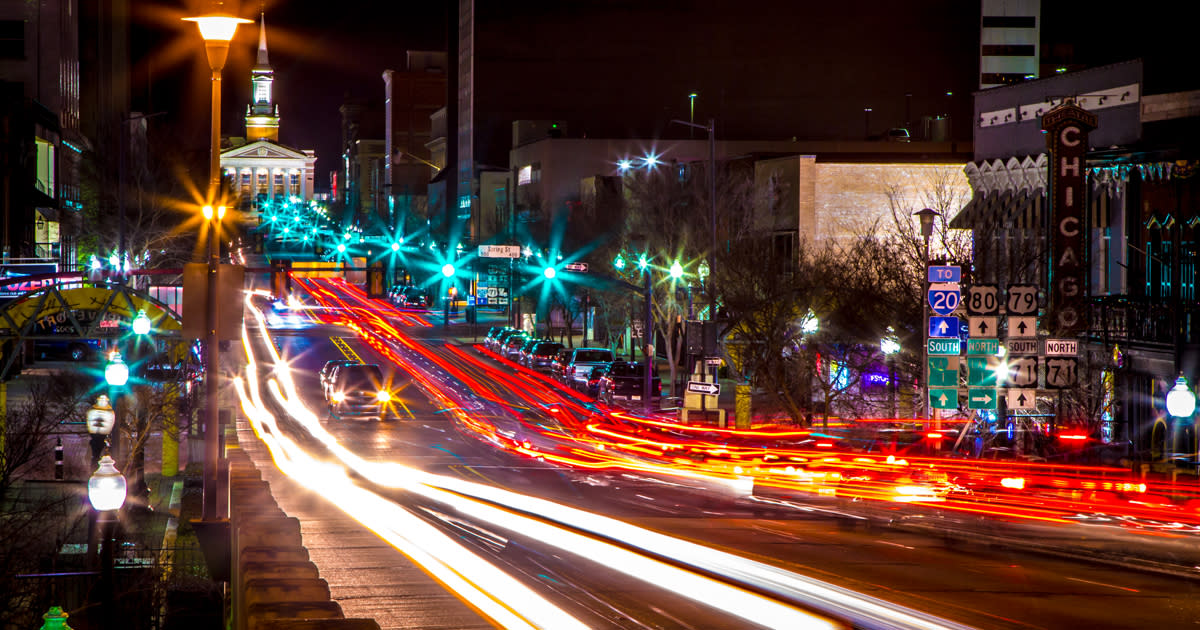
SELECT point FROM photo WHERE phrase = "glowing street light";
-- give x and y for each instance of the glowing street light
(676, 270)
(1181, 402)
(549, 272)
(395, 247)
(619, 263)
(141, 323)
(341, 247)
(448, 270)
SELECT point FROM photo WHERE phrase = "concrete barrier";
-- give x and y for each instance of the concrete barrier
(318, 624)
(267, 590)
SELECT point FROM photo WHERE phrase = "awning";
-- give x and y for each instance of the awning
(1004, 210)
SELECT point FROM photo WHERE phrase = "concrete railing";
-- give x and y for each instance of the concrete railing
(274, 583)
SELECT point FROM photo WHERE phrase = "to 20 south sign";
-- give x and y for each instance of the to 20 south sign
(1067, 128)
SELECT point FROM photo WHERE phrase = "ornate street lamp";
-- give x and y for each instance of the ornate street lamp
(116, 373)
(217, 29)
(1181, 402)
(106, 493)
(927, 217)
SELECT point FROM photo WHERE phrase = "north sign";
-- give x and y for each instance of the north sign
(1062, 347)
(987, 347)
(944, 297)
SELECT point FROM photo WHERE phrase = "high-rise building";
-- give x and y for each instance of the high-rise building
(1009, 41)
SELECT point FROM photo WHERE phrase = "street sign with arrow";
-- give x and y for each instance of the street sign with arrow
(981, 398)
(946, 398)
(700, 387)
(1021, 398)
(1022, 327)
(943, 327)
(982, 326)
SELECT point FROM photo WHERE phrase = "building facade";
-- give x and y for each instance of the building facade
(259, 167)
(1142, 206)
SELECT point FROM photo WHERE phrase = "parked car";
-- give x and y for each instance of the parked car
(591, 385)
(542, 356)
(329, 370)
(512, 346)
(72, 348)
(359, 390)
(558, 366)
(627, 380)
(414, 297)
(526, 350)
(502, 339)
(582, 360)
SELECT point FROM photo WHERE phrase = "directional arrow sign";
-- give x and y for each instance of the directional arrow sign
(943, 327)
(946, 398)
(580, 267)
(982, 326)
(1022, 327)
(700, 387)
(1021, 398)
(981, 398)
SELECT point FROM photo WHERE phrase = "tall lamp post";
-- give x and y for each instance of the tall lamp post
(106, 493)
(927, 217)
(217, 29)
(889, 344)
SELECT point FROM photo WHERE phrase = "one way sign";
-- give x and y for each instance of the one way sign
(1021, 398)
(982, 327)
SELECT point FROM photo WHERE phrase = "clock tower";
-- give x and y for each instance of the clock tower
(262, 115)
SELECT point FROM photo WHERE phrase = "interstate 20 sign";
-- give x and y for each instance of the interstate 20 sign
(944, 297)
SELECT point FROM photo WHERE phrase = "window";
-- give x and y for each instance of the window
(1001, 78)
(45, 167)
(1009, 21)
(294, 184)
(277, 184)
(1008, 50)
(261, 187)
(245, 183)
(12, 39)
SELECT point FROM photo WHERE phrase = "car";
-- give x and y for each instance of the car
(898, 134)
(73, 349)
(359, 390)
(328, 371)
(591, 386)
(501, 339)
(541, 356)
(492, 340)
(512, 346)
(582, 360)
(627, 380)
(558, 366)
(414, 297)
(525, 349)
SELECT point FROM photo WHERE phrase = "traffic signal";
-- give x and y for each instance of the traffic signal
(259, 244)
(375, 280)
(281, 283)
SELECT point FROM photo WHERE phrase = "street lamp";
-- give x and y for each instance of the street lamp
(106, 493)
(890, 346)
(927, 217)
(116, 373)
(217, 29)
(1181, 402)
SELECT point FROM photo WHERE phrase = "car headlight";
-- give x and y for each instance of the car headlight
(337, 396)
(383, 396)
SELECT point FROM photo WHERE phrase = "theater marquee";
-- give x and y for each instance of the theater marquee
(1067, 128)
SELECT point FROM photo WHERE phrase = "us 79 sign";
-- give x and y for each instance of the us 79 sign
(1022, 299)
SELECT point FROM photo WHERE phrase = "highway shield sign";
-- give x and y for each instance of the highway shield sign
(1022, 299)
(943, 371)
(1023, 372)
(1061, 372)
(981, 299)
(944, 297)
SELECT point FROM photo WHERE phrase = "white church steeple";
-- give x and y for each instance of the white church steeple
(262, 115)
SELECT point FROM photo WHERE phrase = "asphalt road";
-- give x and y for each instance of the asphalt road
(972, 584)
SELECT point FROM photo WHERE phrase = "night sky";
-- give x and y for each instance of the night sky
(768, 69)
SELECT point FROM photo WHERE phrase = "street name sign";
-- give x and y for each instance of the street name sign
(580, 267)
(1061, 372)
(982, 326)
(713, 361)
(982, 398)
(1022, 327)
(981, 299)
(700, 387)
(945, 273)
(1023, 372)
(499, 251)
(1062, 347)
(989, 347)
(943, 327)
(943, 398)
(944, 347)
(1021, 399)
(944, 297)
(1021, 347)
(983, 371)
(943, 371)
(1022, 299)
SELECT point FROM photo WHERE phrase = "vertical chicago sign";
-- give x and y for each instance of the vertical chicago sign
(1067, 128)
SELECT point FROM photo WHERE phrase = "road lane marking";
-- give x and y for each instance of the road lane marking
(884, 542)
(1123, 588)
(346, 350)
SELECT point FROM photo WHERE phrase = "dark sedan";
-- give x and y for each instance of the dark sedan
(626, 380)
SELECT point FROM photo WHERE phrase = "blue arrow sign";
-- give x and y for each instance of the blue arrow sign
(943, 326)
(944, 298)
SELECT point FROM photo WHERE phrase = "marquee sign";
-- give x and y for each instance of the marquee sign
(1067, 128)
